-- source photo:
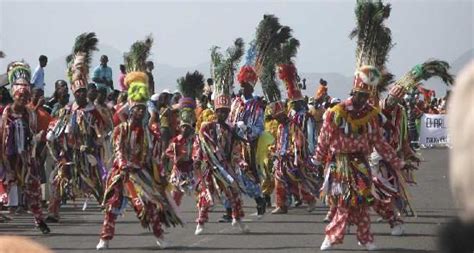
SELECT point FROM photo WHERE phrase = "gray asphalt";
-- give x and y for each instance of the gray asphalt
(298, 231)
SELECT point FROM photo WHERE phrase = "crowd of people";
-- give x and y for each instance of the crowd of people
(148, 149)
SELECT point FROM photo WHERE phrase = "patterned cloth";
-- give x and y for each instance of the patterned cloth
(250, 113)
(180, 152)
(17, 151)
(347, 138)
(77, 136)
(219, 164)
(131, 180)
(294, 171)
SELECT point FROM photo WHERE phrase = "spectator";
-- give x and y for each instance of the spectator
(121, 79)
(37, 81)
(92, 92)
(103, 74)
(60, 89)
(151, 82)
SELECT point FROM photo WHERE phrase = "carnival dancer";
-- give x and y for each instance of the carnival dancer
(246, 117)
(131, 177)
(18, 146)
(390, 185)
(296, 142)
(107, 115)
(350, 131)
(180, 149)
(392, 197)
(218, 162)
(78, 134)
(274, 44)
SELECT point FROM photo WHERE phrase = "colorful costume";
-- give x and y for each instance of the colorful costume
(77, 136)
(390, 185)
(19, 139)
(294, 171)
(181, 147)
(131, 178)
(347, 138)
(246, 118)
(219, 164)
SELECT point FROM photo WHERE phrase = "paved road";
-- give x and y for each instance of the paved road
(297, 231)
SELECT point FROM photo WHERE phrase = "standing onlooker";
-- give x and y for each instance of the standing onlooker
(60, 90)
(151, 82)
(37, 81)
(103, 74)
(121, 78)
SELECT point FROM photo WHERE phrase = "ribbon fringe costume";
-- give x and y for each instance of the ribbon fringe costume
(347, 138)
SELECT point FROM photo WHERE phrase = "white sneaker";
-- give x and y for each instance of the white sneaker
(162, 244)
(243, 228)
(326, 245)
(398, 230)
(199, 229)
(103, 244)
(370, 246)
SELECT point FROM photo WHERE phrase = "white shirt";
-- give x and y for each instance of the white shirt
(38, 78)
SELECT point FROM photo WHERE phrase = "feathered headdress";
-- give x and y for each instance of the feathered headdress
(269, 36)
(19, 76)
(223, 69)
(247, 73)
(191, 86)
(374, 39)
(366, 79)
(286, 69)
(287, 73)
(275, 46)
(422, 72)
(79, 60)
(135, 62)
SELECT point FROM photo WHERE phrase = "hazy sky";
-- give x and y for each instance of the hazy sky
(185, 30)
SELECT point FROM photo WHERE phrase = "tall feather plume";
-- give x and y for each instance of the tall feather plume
(191, 85)
(135, 59)
(82, 50)
(84, 43)
(425, 71)
(274, 45)
(223, 67)
(251, 54)
(374, 39)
